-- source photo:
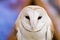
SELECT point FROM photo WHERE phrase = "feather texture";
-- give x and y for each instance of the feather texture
(33, 23)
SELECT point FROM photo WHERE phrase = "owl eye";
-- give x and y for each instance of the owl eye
(27, 17)
(39, 17)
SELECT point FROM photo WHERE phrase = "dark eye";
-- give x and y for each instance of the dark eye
(39, 17)
(27, 17)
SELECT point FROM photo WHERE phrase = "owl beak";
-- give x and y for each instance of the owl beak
(33, 24)
(33, 27)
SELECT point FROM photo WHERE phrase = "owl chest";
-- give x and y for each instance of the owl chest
(25, 35)
(33, 36)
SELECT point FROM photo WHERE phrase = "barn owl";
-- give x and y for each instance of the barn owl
(33, 23)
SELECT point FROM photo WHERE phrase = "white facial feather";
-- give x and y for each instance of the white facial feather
(33, 22)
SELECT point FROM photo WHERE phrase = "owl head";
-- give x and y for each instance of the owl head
(33, 18)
